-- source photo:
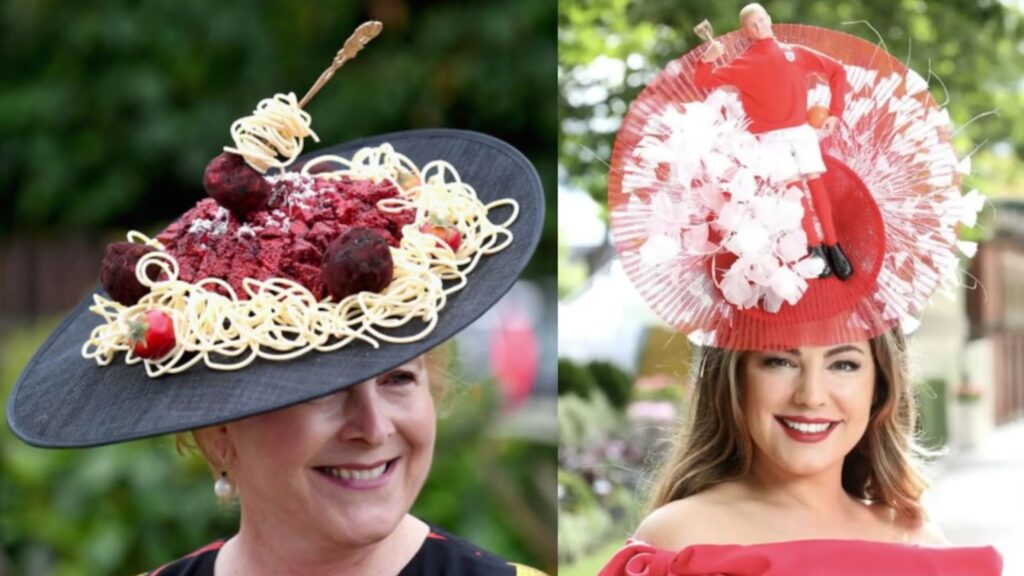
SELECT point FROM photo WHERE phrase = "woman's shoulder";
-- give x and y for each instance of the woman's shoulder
(909, 529)
(723, 515)
(927, 533)
(445, 553)
(706, 518)
(671, 525)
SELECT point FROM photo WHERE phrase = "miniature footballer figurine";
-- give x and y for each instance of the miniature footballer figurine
(771, 77)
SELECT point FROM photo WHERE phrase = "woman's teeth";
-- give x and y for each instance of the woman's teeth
(350, 474)
(807, 428)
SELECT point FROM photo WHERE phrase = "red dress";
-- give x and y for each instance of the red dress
(805, 558)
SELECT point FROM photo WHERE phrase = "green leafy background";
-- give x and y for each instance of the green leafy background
(974, 46)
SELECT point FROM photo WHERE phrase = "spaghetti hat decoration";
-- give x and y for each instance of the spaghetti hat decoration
(297, 277)
(738, 233)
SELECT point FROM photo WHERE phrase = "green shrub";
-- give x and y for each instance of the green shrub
(582, 524)
(574, 379)
(89, 511)
(583, 421)
(613, 381)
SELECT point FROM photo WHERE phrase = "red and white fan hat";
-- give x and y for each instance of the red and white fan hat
(714, 243)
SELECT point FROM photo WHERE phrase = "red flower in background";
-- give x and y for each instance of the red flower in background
(515, 356)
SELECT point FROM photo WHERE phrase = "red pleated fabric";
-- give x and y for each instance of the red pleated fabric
(805, 558)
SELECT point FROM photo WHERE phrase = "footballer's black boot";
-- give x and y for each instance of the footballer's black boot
(840, 263)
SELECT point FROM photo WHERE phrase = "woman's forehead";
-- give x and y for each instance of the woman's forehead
(417, 362)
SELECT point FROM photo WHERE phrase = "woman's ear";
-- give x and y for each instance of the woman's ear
(215, 442)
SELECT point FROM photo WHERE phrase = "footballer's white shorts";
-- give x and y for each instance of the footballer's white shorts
(796, 152)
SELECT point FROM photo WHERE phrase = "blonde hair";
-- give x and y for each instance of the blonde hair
(716, 446)
(436, 360)
(750, 9)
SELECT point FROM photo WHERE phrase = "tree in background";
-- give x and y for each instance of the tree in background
(613, 381)
(574, 379)
(109, 111)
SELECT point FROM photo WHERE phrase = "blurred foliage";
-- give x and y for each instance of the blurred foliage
(673, 394)
(593, 563)
(68, 512)
(616, 384)
(585, 421)
(110, 110)
(491, 487)
(609, 50)
(131, 507)
(574, 379)
(600, 464)
(582, 522)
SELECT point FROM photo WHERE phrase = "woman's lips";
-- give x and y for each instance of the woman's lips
(359, 476)
(808, 430)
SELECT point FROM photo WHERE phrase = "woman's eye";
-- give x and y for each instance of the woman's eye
(846, 366)
(398, 378)
(328, 399)
(778, 362)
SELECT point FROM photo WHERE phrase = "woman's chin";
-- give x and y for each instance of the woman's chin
(360, 529)
(808, 465)
(357, 525)
(805, 469)
(802, 463)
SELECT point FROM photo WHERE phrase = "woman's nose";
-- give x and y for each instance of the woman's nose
(366, 417)
(811, 389)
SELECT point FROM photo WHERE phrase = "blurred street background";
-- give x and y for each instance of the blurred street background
(623, 372)
(109, 112)
(978, 495)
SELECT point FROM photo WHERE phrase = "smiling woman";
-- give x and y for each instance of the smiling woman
(775, 426)
(804, 451)
(338, 471)
(799, 456)
(295, 323)
(347, 466)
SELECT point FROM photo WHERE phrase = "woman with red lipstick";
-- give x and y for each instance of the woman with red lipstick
(795, 461)
(799, 454)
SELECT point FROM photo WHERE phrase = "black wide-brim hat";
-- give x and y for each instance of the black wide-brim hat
(62, 400)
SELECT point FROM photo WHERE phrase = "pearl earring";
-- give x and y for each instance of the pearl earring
(223, 487)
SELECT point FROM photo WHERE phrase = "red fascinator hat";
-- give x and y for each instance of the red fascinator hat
(711, 235)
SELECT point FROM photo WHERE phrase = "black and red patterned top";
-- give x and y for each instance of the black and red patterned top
(441, 555)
